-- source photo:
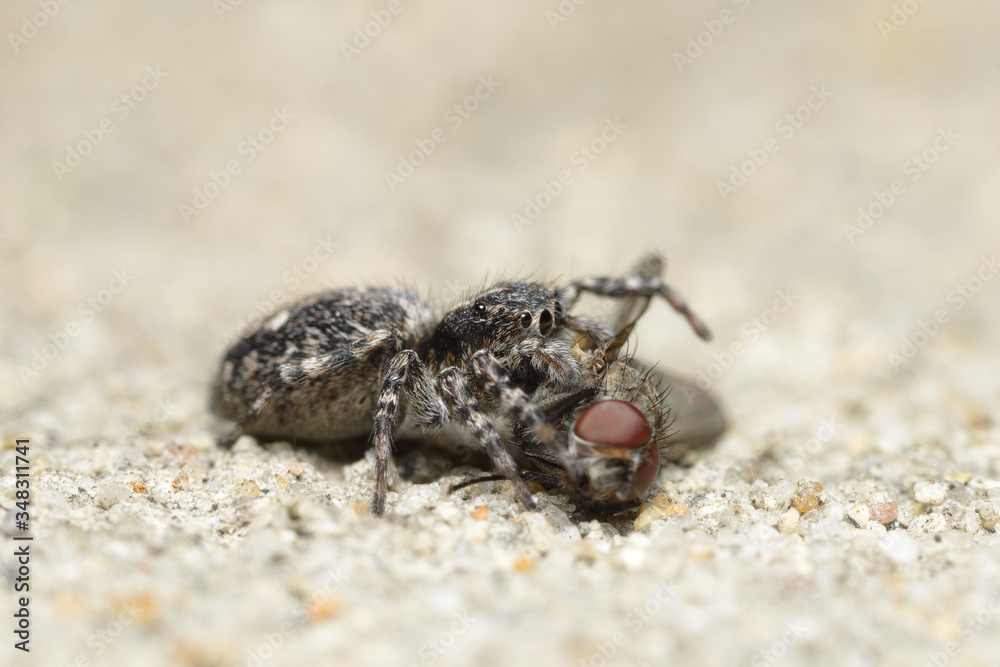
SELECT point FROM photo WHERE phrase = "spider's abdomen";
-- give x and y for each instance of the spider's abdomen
(302, 357)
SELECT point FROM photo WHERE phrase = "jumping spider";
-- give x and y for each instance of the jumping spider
(348, 362)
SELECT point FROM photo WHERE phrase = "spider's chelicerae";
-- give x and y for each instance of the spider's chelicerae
(348, 362)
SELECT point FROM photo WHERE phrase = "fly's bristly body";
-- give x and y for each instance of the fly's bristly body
(348, 362)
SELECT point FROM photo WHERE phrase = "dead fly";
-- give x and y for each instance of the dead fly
(618, 431)
(348, 362)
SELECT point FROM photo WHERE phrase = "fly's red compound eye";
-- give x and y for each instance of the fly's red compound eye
(614, 424)
(619, 425)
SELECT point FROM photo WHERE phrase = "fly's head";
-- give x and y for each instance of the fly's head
(619, 457)
(617, 439)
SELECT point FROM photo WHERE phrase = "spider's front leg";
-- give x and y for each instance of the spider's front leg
(462, 403)
(635, 286)
(494, 378)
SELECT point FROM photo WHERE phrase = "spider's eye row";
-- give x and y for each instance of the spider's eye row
(545, 322)
(525, 320)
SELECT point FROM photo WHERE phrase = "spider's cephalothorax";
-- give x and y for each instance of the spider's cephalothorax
(346, 362)
(521, 324)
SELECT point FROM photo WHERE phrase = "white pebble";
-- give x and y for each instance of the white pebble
(930, 493)
(860, 514)
(788, 521)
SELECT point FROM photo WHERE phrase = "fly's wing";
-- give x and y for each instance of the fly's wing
(697, 419)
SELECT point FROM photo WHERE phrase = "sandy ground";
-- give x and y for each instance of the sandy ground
(824, 180)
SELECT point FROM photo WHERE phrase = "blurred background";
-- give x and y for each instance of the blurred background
(209, 149)
(823, 178)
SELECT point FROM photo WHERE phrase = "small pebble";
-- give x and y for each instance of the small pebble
(788, 521)
(183, 453)
(930, 493)
(138, 487)
(247, 488)
(989, 513)
(324, 609)
(481, 513)
(807, 496)
(524, 564)
(860, 514)
(647, 517)
(111, 494)
(884, 512)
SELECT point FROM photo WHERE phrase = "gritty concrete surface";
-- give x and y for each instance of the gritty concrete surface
(848, 516)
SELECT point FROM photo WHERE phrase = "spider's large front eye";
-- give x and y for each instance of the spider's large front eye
(525, 320)
(545, 322)
(480, 308)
